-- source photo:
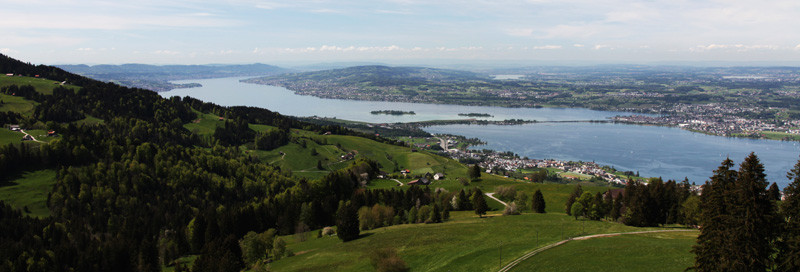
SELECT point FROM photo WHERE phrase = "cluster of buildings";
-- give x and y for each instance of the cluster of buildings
(496, 160)
(716, 119)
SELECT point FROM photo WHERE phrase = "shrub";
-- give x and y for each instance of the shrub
(506, 193)
(328, 231)
(511, 209)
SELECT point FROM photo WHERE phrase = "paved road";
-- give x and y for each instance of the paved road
(511, 265)
(491, 195)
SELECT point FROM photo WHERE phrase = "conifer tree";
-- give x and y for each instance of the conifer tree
(347, 222)
(788, 258)
(538, 205)
(739, 221)
(757, 226)
(479, 203)
(711, 248)
(774, 192)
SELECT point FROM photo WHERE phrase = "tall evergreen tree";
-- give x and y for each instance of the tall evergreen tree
(774, 192)
(757, 226)
(479, 203)
(739, 222)
(538, 202)
(711, 251)
(788, 258)
(347, 222)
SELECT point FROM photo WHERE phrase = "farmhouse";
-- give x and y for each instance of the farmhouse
(421, 181)
(438, 176)
(13, 127)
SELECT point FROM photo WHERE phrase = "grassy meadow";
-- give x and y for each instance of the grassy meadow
(465, 243)
(29, 190)
(668, 251)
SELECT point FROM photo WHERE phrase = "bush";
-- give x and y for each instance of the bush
(506, 193)
(387, 260)
(511, 209)
(328, 231)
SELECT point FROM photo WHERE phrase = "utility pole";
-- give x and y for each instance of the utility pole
(501, 255)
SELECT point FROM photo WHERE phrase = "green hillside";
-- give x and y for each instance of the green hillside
(42, 85)
(637, 252)
(466, 243)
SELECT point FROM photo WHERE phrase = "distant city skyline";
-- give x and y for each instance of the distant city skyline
(401, 31)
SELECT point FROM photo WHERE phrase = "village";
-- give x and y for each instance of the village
(719, 119)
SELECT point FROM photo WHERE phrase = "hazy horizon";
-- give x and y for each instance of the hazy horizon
(401, 31)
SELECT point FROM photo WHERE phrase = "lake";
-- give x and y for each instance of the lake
(670, 153)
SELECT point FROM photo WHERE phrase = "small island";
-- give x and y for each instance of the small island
(393, 112)
(474, 114)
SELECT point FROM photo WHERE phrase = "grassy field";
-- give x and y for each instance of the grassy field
(466, 243)
(204, 125)
(17, 104)
(636, 252)
(30, 189)
(10, 137)
(42, 85)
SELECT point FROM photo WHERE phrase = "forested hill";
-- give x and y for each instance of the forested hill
(378, 75)
(157, 77)
(135, 189)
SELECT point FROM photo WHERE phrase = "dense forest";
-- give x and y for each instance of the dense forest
(138, 190)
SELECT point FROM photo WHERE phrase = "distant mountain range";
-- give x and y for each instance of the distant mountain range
(157, 77)
(379, 75)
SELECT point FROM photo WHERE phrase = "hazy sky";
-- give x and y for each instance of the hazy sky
(246, 31)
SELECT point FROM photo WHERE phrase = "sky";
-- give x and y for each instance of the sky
(309, 31)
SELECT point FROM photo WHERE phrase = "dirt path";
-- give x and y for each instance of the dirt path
(538, 250)
(34, 138)
(401, 184)
(491, 195)
(282, 157)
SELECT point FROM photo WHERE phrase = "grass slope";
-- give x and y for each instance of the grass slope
(17, 104)
(637, 252)
(30, 190)
(44, 86)
(466, 243)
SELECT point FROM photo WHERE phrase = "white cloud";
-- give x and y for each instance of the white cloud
(546, 47)
(601, 46)
(734, 47)
(578, 45)
(7, 51)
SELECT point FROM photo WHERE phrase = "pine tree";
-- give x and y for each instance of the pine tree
(347, 222)
(739, 221)
(756, 229)
(538, 205)
(774, 192)
(711, 249)
(479, 203)
(788, 258)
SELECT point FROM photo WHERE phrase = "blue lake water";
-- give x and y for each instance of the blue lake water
(670, 153)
